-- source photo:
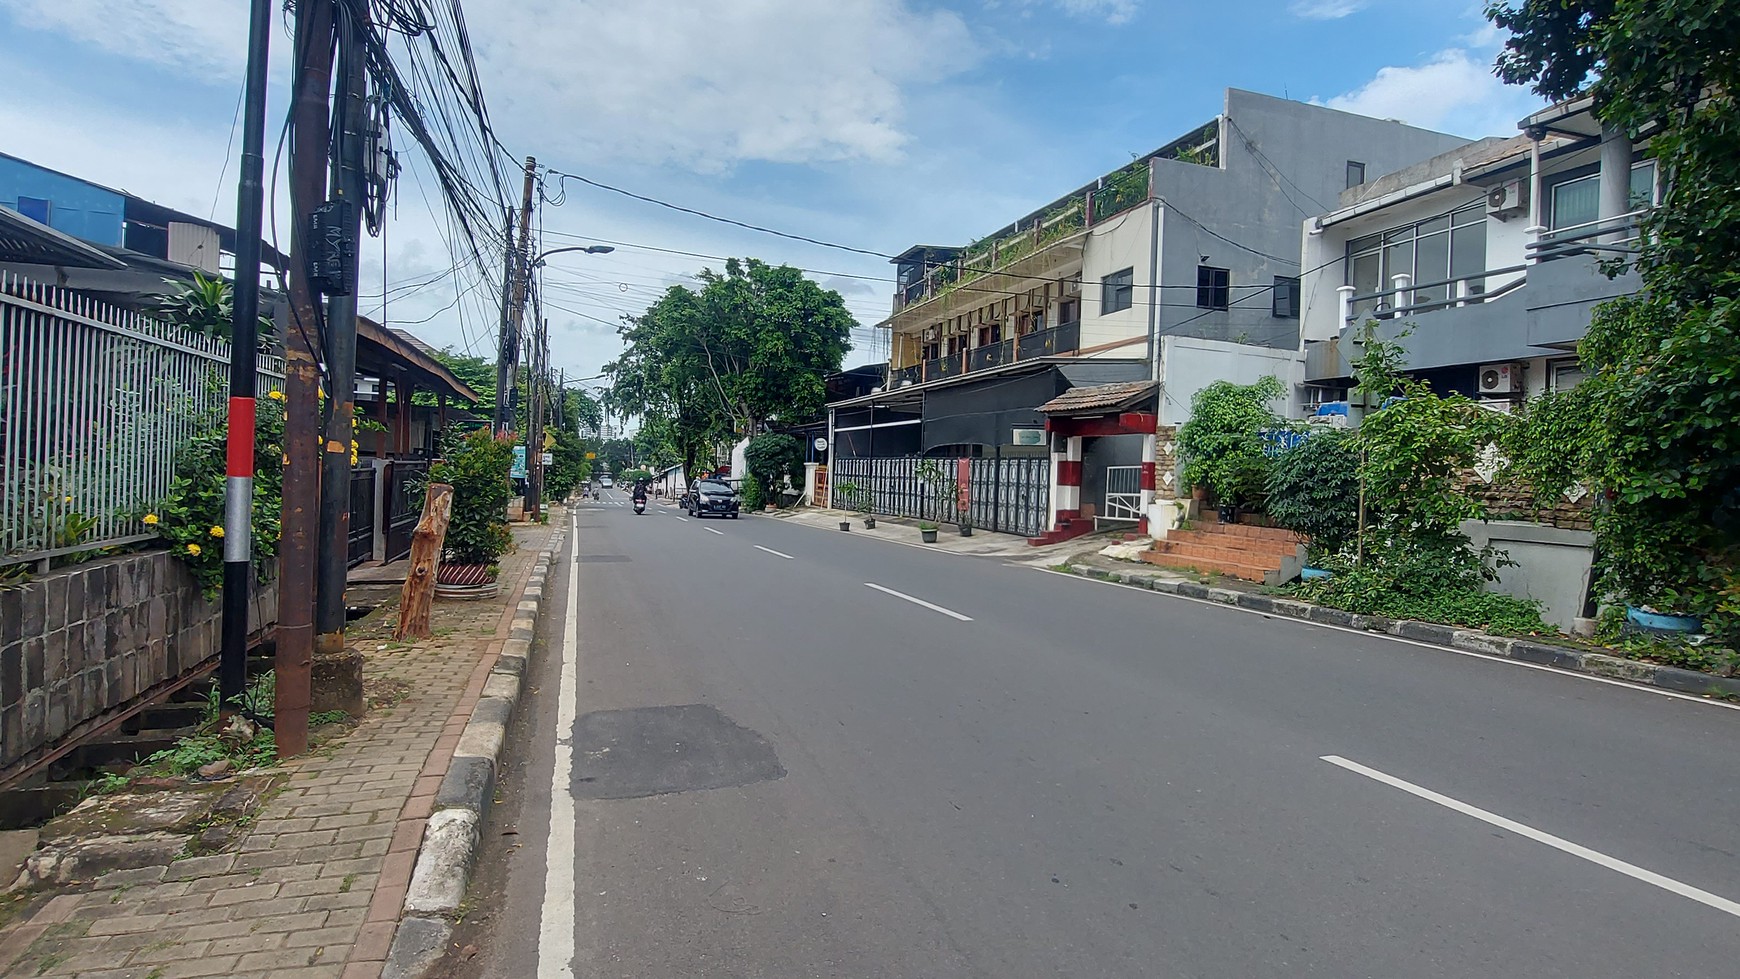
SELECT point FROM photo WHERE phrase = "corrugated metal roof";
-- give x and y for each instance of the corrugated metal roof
(26, 241)
(1100, 397)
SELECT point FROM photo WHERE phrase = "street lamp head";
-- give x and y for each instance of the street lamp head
(600, 249)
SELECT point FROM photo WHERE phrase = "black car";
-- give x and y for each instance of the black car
(711, 497)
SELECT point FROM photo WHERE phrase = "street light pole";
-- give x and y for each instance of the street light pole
(536, 384)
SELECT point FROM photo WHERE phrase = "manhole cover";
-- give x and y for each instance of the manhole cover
(629, 754)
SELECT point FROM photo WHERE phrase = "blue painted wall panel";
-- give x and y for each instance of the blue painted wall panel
(77, 208)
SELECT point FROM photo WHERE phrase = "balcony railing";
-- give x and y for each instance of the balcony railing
(1613, 237)
(1061, 339)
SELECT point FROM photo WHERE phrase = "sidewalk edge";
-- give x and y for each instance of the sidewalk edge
(1465, 640)
(462, 803)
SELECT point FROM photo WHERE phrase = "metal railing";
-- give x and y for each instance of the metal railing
(406, 482)
(991, 355)
(1123, 493)
(95, 404)
(362, 516)
(1610, 237)
(1061, 339)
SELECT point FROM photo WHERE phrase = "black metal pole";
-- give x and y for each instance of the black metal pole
(348, 185)
(244, 344)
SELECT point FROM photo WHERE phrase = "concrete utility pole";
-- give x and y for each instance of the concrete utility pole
(513, 314)
(299, 544)
(340, 677)
(535, 436)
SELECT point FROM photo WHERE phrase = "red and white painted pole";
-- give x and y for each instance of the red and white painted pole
(244, 344)
(1149, 445)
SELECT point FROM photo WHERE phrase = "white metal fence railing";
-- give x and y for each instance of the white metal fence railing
(95, 403)
(1123, 493)
(1008, 496)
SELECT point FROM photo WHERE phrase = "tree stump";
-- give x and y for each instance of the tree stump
(418, 596)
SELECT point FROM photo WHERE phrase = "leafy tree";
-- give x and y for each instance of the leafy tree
(753, 343)
(1664, 363)
(478, 472)
(1222, 450)
(1314, 490)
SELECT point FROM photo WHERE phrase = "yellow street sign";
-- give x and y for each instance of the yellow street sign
(549, 441)
(591, 455)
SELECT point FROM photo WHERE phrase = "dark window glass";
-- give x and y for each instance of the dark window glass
(1213, 287)
(1286, 297)
(1355, 173)
(1117, 291)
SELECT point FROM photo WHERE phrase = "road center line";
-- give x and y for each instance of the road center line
(710, 530)
(919, 601)
(1593, 856)
(683, 519)
(556, 927)
(775, 553)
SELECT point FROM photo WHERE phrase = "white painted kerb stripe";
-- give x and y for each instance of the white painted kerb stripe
(1593, 856)
(919, 601)
(775, 553)
(556, 927)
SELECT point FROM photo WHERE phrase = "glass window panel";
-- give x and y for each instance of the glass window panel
(1363, 277)
(1468, 256)
(1398, 260)
(1576, 202)
(1468, 215)
(1434, 225)
(1362, 244)
(1643, 185)
(1432, 264)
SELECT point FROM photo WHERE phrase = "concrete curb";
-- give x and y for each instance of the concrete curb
(466, 794)
(1467, 640)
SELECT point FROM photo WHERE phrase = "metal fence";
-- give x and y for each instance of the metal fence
(1011, 496)
(1123, 493)
(407, 481)
(362, 516)
(95, 403)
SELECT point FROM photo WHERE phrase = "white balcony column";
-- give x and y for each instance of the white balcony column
(1615, 177)
(1344, 295)
(1401, 282)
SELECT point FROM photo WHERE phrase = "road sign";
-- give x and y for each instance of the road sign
(1029, 436)
(549, 441)
(821, 443)
(591, 455)
(519, 467)
(548, 459)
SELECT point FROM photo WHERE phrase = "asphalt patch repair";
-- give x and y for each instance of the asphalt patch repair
(646, 751)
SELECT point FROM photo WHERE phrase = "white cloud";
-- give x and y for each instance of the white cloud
(1326, 9)
(1111, 11)
(706, 85)
(1454, 91)
(203, 37)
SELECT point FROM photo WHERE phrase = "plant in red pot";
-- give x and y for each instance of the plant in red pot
(477, 535)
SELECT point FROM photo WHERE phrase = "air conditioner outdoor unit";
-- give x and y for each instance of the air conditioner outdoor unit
(1500, 378)
(1507, 199)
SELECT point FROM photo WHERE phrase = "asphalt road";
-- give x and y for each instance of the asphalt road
(780, 769)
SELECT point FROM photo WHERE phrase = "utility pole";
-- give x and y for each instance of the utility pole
(513, 313)
(299, 543)
(348, 187)
(244, 344)
(535, 437)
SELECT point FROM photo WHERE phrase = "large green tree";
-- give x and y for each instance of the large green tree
(1663, 396)
(752, 344)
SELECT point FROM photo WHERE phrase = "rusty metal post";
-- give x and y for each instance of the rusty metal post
(299, 546)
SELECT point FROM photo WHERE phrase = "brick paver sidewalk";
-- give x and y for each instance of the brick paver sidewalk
(316, 886)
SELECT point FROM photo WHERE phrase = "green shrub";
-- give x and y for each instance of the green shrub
(1313, 490)
(1221, 444)
(478, 472)
(752, 498)
(191, 517)
(773, 459)
(1430, 577)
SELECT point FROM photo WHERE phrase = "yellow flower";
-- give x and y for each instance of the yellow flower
(150, 520)
(193, 549)
(69, 499)
(275, 395)
(217, 531)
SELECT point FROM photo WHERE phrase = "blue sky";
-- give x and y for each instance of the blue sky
(873, 123)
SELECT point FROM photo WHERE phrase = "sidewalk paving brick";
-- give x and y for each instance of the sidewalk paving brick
(316, 886)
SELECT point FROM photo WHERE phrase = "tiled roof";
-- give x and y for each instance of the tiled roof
(1100, 397)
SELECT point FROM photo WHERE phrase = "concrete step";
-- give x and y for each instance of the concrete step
(1212, 525)
(1235, 569)
(1250, 545)
(1213, 550)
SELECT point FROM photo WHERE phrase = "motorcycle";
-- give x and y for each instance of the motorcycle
(640, 506)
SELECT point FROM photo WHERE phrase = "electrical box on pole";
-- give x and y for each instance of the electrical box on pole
(332, 234)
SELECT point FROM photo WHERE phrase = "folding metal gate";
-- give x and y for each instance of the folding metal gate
(1010, 496)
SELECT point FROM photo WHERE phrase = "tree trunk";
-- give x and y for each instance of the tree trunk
(418, 596)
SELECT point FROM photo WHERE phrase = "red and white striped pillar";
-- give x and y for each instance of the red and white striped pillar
(1067, 466)
(1149, 444)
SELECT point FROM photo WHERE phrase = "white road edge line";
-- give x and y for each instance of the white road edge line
(951, 613)
(1593, 856)
(1504, 660)
(710, 530)
(775, 553)
(556, 928)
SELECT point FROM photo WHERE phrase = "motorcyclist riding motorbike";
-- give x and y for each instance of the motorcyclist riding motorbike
(639, 496)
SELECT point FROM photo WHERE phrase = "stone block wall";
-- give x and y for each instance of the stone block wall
(80, 643)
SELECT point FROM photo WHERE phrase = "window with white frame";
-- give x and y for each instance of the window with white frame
(1577, 201)
(1442, 256)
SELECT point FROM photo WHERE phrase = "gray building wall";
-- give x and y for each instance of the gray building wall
(1282, 162)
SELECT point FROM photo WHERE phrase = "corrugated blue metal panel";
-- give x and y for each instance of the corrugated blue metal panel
(75, 207)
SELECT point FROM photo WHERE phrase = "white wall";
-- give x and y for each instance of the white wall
(1188, 364)
(1120, 243)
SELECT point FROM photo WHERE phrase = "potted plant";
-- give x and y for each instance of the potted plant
(927, 531)
(477, 533)
(965, 522)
